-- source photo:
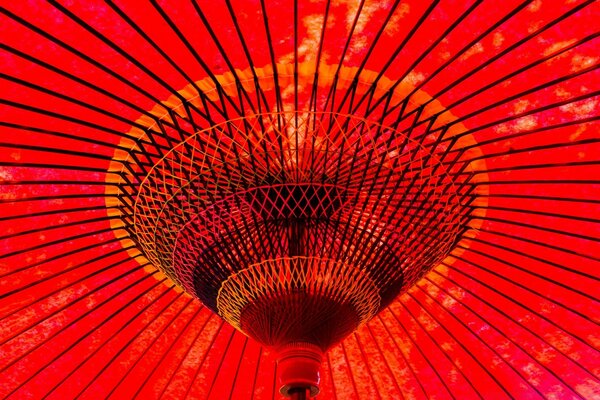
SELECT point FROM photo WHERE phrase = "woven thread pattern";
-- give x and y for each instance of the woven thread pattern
(341, 283)
(279, 185)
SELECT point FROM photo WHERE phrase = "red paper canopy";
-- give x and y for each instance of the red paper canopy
(504, 95)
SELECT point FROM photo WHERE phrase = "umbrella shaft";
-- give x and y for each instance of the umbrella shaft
(298, 394)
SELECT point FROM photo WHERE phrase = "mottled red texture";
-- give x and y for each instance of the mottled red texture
(514, 314)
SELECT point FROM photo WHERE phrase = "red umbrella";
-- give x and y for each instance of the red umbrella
(419, 179)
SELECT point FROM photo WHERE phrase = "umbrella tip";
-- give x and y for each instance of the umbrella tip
(298, 366)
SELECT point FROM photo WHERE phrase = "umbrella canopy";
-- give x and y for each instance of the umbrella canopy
(483, 114)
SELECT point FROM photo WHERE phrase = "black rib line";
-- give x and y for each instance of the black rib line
(536, 197)
(74, 120)
(541, 166)
(380, 73)
(119, 50)
(399, 350)
(89, 355)
(496, 57)
(514, 45)
(260, 95)
(550, 246)
(548, 146)
(274, 389)
(55, 242)
(152, 342)
(242, 93)
(279, 101)
(214, 380)
(483, 143)
(312, 102)
(71, 323)
(260, 352)
(409, 337)
(72, 100)
(201, 363)
(75, 153)
(539, 129)
(505, 359)
(63, 135)
(470, 131)
(223, 98)
(448, 31)
(88, 59)
(542, 182)
(52, 166)
(443, 66)
(444, 353)
(67, 253)
(540, 213)
(330, 377)
(68, 183)
(397, 385)
(350, 372)
(518, 223)
(367, 55)
(129, 342)
(523, 285)
(57, 197)
(80, 81)
(168, 350)
(522, 69)
(64, 271)
(515, 301)
(526, 113)
(505, 100)
(187, 353)
(58, 211)
(455, 339)
(16, 333)
(332, 91)
(366, 364)
(496, 328)
(47, 228)
(524, 269)
(156, 47)
(237, 369)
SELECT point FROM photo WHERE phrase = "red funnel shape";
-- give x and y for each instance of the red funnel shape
(297, 227)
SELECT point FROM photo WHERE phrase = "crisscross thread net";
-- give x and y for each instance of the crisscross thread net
(305, 294)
